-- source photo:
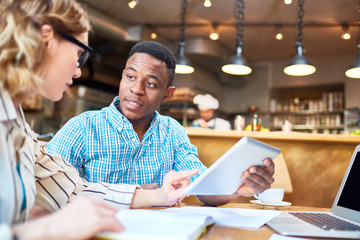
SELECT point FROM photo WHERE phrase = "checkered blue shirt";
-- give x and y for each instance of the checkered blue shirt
(104, 147)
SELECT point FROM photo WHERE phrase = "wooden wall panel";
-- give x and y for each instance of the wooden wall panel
(316, 163)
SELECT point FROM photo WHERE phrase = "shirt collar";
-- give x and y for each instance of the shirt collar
(120, 121)
(155, 120)
(6, 105)
(116, 117)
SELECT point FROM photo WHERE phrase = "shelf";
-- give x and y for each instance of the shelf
(177, 104)
(351, 119)
(306, 112)
(183, 111)
(310, 127)
(310, 109)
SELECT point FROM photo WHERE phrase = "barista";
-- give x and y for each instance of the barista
(207, 106)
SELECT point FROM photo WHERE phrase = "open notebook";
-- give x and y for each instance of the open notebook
(159, 225)
(342, 222)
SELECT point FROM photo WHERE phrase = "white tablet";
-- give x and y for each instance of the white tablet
(223, 177)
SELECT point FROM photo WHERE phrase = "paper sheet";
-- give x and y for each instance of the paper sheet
(233, 217)
(281, 237)
(158, 225)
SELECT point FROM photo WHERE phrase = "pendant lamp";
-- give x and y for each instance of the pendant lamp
(183, 65)
(354, 70)
(299, 65)
(237, 64)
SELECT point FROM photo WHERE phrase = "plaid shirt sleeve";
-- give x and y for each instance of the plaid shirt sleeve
(186, 156)
(57, 182)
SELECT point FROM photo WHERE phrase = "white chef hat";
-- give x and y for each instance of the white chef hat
(206, 102)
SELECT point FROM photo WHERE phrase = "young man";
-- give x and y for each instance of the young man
(130, 142)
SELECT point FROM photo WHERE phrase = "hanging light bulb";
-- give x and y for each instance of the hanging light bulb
(182, 64)
(153, 35)
(278, 32)
(214, 34)
(207, 3)
(279, 36)
(133, 3)
(237, 64)
(345, 35)
(299, 65)
(354, 70)
(287, 2)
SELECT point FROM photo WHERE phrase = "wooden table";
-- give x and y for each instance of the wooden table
(227, 233)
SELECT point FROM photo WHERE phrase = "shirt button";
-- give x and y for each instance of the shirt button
(133, 139)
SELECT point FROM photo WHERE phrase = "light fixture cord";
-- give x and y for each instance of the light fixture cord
(300, 23)
(358, 40)
(184, 5)
(240, 16)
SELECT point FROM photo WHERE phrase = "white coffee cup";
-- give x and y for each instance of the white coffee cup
(271, 196)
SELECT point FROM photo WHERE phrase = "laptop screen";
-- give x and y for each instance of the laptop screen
(349, 197)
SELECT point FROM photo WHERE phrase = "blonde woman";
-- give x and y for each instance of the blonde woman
(43, 45)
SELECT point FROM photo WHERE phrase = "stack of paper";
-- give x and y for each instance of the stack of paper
(158, 225)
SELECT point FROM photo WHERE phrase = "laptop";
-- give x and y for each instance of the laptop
(342, 222)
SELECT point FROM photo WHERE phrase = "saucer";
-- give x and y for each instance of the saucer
(271, 205)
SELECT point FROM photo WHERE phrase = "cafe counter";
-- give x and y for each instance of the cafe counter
(315, 163)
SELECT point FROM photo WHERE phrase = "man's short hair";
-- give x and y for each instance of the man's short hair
(159, 51)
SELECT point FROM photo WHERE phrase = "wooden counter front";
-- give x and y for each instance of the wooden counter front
(316, 162)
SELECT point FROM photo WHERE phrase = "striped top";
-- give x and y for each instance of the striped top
(48, 180)
(104, 146)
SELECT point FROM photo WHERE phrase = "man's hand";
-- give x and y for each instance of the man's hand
(257, 179)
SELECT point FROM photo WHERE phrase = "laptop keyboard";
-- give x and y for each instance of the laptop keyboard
(326, 221)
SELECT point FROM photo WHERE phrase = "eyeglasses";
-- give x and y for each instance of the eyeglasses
(84, 54)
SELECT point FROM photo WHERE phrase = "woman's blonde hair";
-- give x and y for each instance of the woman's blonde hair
(21, 46)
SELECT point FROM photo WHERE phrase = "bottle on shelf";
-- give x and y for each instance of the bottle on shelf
(255, 123)
(287, 126)
(239, 122)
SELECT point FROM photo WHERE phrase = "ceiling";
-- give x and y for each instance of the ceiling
(323, 19)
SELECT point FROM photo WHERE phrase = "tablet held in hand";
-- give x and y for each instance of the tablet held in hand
(223, 177)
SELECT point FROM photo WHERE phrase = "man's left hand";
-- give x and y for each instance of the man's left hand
(257, 179)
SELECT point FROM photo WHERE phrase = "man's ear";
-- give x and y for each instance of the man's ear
(47, 33)
(169, 92)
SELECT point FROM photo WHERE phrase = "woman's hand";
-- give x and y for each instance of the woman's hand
(174, 185)
(81, 219)
(150, 186)
(170, 193)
